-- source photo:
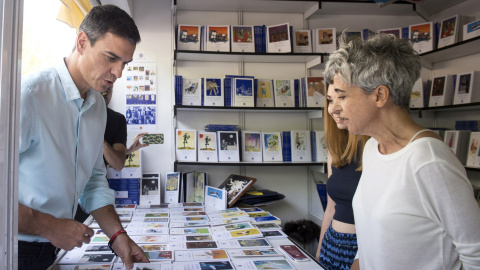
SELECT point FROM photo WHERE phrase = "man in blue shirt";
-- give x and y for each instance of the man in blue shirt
(62, 122)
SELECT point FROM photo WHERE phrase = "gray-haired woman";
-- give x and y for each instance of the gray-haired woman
(414, 206)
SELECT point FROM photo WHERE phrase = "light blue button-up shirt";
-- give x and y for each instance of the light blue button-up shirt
(61, 147)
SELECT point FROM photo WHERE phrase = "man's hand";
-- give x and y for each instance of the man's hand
(68, 234)
(136, 144)
(62, 233)
(128, 251)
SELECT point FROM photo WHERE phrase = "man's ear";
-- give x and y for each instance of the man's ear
(82, 42)
(382, 92)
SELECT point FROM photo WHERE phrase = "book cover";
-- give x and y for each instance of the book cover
(467, 88)
(150, 189)
(272, 146)
(236, 186)
(473, 156)
(213, 92)
(217, 38)
(207, 146)
(215, 197)
(265, 94)
(302, 41)
(244, 94)
(251, 146)
(301, 146)
(284, 93)
(422, 37)
(172, 187)
(448, 31)
(186, 145)
(188, 37)
(397, 32)
(416, 96)
(442, 91)
(195, 183)
(353, 34)
(278, 37)
(325, 40)
(319, 148)
(471, 30)
(133, 165)
(228, 149)
(192, 92)
(127, 191)
(315, 92)
(243, 38)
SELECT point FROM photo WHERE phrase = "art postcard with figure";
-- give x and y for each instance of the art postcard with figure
(228, 149)
(244, 92)
(265, 95)
(251, 146)
(207, 146)
(422, 37)
(150, 190)
(325, 40)
(278, 38)
(243, 38)
(272, 146)
(213, 92)
(236, 186)
(186, 143)
(284, 93)
(466, 88)
(217, 38)
(301, 146)
(188, 37)
(172, 192)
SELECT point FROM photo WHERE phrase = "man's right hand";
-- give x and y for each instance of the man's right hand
(68, 234)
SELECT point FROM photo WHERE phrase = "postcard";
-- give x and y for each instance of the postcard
(314, 92)
(150, 239)
(189, 224)
(301, 146)
(192, 92)
(466, 88)
(215, 197)
(193, 245)
(263, 264)
(278, 38)
(244, 94)
(186, 145)
(156, 247)
(253, 252)
(191, 231)
(267, 226)
(232, 227)
(243, 38)
(189, 218)
(166, 255)
(302, 42)
(213, 93)
(416, 96)
(442, 91)
(284, 93)
(228, 149)
(74, 258)
(187, 238)
(274, 233)
(238, 234)
(201, 255)
(172, 188)
(422, 37)
(251, 146)
(448, 31)
(243, 243)
(265, 93)
(83, 267)
(397, 32)
(325, 40)
(142, 266)
(217, 38)
(471, 30)
(150, 190)
(473, 157)
(188, 37)
(272, 146)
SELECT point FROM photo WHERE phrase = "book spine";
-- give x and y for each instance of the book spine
(286, 146)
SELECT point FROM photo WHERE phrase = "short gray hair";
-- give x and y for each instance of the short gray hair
(382, 60)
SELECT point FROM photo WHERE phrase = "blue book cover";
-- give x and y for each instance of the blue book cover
(322, 193)
(227, 85)
(264, 219)
(286, 146)
(127, 191)
(296, 89)
(405, 32)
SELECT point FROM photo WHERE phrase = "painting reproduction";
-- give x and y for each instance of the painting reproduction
(236, 186)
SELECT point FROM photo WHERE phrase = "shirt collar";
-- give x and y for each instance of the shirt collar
(70, 89)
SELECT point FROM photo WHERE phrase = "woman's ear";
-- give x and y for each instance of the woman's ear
(382, 93)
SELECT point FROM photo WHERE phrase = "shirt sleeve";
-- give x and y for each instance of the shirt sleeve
(97, 193)
(448, 199)
(27, 120)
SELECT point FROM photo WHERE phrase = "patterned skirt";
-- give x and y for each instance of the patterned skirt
(338, 250)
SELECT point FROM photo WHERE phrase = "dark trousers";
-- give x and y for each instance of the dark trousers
(35, 255)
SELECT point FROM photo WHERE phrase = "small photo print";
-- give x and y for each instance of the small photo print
(438, 85)
(464, 84)
(325, 36)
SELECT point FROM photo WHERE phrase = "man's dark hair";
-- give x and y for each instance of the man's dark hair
(109, 19)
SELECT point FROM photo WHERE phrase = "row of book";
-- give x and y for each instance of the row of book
(462, 88)
(282, 38)
(247, 91)
(250, 146)
(192, 236)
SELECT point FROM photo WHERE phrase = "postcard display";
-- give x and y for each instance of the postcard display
(190, 236)
(442, 91)
(467, 88)
(141, 96)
